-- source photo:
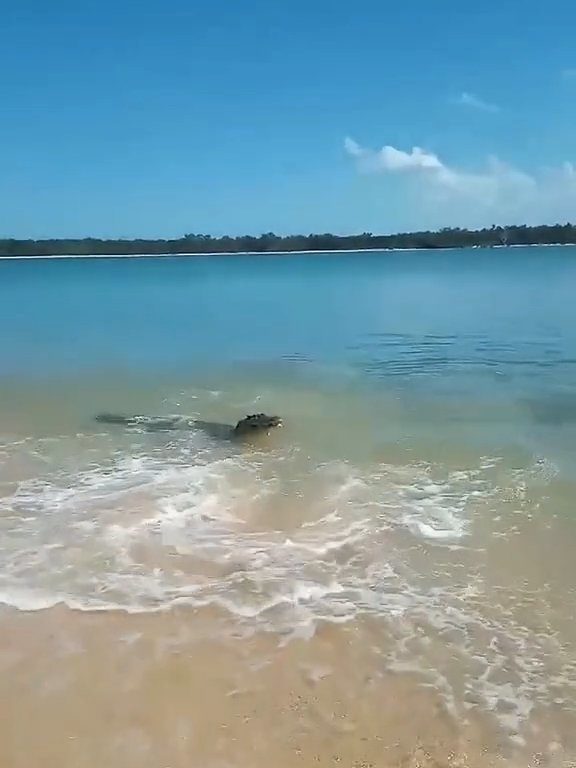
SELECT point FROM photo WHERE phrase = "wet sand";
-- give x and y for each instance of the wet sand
(87, 690)
(280, 609)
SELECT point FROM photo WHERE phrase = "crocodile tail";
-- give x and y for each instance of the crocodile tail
(114, 418)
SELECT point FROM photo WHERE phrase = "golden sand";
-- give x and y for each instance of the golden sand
(82, 690)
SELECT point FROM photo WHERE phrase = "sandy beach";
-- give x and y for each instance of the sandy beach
(139, 692)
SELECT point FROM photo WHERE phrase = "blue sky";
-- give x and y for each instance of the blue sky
(159, 118)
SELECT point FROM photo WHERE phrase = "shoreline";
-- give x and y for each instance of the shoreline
(185, 254)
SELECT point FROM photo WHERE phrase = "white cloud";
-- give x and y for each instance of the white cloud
(482, 185)
(498, 192)
(391, 159)
(352, 147)
(470, 100)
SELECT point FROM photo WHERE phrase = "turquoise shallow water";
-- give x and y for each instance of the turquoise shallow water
(489, 313)
(425, 474)
(476, 337)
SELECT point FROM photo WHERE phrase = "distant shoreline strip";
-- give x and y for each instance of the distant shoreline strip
(275, 253)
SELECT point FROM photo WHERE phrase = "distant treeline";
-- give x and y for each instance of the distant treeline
(193, 243)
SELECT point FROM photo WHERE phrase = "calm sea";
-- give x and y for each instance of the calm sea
(421, 493)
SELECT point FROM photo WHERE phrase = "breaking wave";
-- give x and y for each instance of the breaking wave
(279, 543)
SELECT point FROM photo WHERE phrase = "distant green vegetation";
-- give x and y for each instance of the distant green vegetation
(192, 243)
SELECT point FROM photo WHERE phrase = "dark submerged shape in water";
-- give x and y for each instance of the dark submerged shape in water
(258, 422)
(255, 424)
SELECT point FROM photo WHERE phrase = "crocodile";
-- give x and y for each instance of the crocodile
(254, 424)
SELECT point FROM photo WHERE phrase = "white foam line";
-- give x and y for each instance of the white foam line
(342, 563)
(204, 254)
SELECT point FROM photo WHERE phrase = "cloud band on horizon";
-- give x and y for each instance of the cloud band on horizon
(498, 189)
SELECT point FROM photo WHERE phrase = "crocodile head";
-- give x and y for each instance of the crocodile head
(256, 424)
